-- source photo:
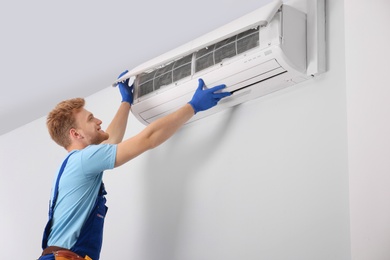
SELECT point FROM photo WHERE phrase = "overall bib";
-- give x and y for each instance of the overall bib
(89, 242)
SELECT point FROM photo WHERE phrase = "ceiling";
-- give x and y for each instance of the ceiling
(55, 50)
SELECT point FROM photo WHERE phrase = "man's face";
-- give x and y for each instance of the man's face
(89, 127)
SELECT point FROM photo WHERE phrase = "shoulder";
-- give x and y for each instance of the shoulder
(98, 157)
(97, 151)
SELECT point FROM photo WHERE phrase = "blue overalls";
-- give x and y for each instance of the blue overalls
(91, 236)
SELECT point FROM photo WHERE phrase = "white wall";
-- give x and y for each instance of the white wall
(265, 180)
(367, 56)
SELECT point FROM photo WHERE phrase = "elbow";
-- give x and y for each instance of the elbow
(150, 138)
(151, 143)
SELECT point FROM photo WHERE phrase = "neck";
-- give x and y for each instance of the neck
(75, 147)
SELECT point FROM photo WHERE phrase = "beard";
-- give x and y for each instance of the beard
(99, 138)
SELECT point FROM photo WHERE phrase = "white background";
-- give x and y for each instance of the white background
(299, 174)
(368, 106)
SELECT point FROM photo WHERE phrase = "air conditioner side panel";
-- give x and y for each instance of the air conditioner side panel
(294, 37)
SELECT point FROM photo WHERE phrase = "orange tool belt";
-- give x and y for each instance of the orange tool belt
(68, 255)
(63, 254)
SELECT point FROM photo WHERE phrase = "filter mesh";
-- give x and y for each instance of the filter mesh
(205, 58)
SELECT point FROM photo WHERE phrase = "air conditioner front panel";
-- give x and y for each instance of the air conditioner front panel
(249, 69)
(250, 72)
(262, 88)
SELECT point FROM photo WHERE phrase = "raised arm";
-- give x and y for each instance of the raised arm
(117, 127)
(162, 129)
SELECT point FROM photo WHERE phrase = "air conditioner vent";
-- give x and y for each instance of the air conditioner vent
(225, 49)
(207, 57)
(182, 68)
(165, 75)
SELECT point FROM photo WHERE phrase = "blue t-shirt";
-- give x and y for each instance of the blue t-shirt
(78, 189)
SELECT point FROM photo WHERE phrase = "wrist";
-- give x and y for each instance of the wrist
(126, 100)
(193, 107)
(126, 104)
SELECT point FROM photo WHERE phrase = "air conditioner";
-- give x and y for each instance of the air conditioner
(257, 54)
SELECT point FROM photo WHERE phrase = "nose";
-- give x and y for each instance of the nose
(98, 121)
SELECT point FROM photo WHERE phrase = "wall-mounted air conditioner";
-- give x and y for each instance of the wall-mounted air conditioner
(257, 54)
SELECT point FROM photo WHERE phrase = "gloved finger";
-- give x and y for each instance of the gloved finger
(200, 84)
(216, 88)
(221, 95)
(124, 83)
(123, 73)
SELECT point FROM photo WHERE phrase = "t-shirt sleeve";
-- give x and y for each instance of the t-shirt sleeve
(97, 158)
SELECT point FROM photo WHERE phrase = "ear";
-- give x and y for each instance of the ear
(74, 134)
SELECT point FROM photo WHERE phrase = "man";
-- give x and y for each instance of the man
(77, 210)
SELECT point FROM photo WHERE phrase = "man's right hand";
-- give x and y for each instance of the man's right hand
(204, 99)
(125, 89)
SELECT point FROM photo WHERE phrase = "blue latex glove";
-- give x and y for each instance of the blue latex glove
(204, 99)
(125, 89)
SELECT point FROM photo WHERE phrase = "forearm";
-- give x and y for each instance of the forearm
(117, 127)
(162, 129)
(153, 135)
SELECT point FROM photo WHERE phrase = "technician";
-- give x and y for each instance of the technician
(77, 208)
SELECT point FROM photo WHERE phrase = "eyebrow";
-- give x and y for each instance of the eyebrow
(90, 116)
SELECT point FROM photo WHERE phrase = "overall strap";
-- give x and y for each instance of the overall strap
(55, 195)
(46, 232)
